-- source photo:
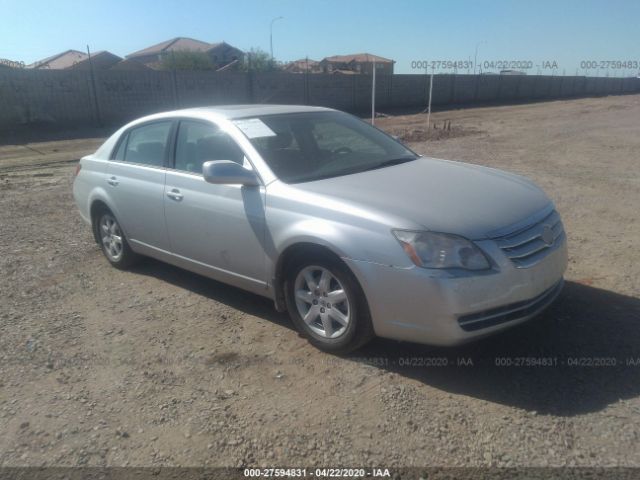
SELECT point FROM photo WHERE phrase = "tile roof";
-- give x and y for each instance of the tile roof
(302, 64)
(101, 60)
(358, 57)
(178, 43)
(60, 61)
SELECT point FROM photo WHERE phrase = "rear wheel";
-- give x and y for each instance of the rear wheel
(327, 305)
(112, 240)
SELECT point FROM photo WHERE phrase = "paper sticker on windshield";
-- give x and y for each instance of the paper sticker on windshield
(254, 128)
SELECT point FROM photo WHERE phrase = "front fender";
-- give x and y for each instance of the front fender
(347, 241)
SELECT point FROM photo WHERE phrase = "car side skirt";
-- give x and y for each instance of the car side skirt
(250, 284)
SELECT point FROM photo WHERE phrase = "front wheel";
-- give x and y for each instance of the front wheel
(327, 305)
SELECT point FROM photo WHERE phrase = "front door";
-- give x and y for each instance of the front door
(219, 228)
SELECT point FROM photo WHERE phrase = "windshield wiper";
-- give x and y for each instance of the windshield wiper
(389, 163)
(358, 169)
(340, 173)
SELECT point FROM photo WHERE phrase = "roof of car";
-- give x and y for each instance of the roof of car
(242, 111)
(229, 112)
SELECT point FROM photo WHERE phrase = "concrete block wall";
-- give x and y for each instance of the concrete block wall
(124, 95)
(362, 92)
(525, 88)
(409, 90)
(335, 91)
(545, 88)
(464, 88)
(630, 85)
(67, 97)
(508, 88)
(442, 93)
(566, 87)
(34, 97)
(196, 89)
(488, 87)
(277, 88)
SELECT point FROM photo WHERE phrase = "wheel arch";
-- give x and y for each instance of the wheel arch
(96, 206)
(286, 259)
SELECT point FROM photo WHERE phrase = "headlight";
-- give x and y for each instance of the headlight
(440, 250)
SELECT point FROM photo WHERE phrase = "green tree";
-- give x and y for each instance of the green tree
(257, 60)
(186, 60)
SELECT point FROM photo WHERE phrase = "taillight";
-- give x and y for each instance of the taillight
(78, 167)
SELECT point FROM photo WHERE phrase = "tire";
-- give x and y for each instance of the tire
(312, 283)
(112, 241)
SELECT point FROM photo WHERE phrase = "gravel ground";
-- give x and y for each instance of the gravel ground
(158, 366)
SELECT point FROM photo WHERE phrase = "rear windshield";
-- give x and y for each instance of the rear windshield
(302, 147)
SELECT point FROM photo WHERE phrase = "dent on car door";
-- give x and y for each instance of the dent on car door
(135, 181)
(219, 227)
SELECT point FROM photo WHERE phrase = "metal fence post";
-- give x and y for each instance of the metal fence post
(95, 91)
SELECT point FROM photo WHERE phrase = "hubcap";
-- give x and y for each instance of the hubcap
(111, 237)
(322, 302)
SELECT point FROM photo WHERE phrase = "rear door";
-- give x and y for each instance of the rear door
(218, 227)
(135, 182)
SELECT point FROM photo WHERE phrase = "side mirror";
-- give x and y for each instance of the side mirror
(227, 172)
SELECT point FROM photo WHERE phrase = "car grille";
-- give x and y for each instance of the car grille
(489, 318)
(529, 245)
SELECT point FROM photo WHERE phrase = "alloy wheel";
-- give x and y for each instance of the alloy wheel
(111, 237)
(322, 302)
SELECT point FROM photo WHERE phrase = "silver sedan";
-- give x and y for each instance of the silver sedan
(341, 225)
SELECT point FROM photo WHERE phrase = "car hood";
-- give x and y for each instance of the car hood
(439, 195)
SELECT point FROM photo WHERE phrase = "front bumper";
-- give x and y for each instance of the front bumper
(440, 307)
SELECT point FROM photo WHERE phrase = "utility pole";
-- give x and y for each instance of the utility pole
(475, 57)
(373, 95)
(429, 106)
(95, 91)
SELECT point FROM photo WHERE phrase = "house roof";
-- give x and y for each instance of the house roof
(343, 72)
(61, 60)
(302, 64)
(178, 43)
(100, 61)
(222, 44)
(358, 57)
(304, 61)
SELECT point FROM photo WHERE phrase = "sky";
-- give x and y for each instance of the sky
(540, 32)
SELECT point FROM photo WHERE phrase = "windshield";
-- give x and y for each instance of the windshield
(301, 147)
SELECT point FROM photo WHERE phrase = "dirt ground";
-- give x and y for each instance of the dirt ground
(158, 366)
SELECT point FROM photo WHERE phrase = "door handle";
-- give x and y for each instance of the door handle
(113, 181)
(174, 194)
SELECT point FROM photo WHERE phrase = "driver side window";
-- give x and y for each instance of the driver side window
(199, 142)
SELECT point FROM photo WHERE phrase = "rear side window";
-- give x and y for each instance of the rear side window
(200, 142)
(121, 148)
(146, 144)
